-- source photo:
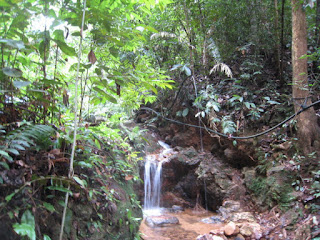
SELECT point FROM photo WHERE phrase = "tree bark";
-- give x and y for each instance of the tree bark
(308, 130)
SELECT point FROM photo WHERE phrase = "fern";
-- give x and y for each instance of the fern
(222, 67)
(23, 138)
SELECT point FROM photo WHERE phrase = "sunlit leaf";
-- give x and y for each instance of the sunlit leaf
(13, 43)
(105, 95)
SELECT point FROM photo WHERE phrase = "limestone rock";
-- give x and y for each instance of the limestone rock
(231, 229)
(161, 221)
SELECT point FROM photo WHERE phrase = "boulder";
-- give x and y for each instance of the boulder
(251, 229)
(231, 229)
(161, 221)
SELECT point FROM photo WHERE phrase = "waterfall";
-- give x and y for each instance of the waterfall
(152, 184)
(152, 180)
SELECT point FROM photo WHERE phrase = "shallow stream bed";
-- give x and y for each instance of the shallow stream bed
(190, 226)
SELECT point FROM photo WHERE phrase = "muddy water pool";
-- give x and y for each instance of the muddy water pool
(189, 227)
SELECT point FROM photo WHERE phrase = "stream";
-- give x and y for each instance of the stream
(163, 223)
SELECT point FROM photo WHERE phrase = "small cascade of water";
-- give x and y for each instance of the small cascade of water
(152, 184)
(152, 181)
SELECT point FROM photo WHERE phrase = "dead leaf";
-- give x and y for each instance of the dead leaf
(92, 57)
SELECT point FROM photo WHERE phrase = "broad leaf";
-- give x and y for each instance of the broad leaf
(83, 183)
(25, 229)
(12, 72)
(49, 206)
(70, 51)
(105, 95)
(12, 43)
(20, 84)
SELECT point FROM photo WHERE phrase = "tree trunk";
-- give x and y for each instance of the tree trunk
(318, 24)
(308, 130)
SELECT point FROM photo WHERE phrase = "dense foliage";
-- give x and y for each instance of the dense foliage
(125, 55)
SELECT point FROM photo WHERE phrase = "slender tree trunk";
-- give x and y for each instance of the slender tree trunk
(308, 130)
(317, 33)
(282, 82)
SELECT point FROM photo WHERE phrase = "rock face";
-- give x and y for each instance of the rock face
(194, 176)
(161, 221)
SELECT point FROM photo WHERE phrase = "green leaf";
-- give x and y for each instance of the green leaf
(185, 112)
(21, 84)
(28, 218)
(10, 196)
(150, 87)
(49, 206)
(5, 165)
(12, 43)
(83, 183)
(6, 156)
(13, 151)
(70, 51)
(105, 95)
(46, 237)
(25, 229)
(12, 72)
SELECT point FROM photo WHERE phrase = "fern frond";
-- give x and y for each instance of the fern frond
(222, 67)
(23, 138)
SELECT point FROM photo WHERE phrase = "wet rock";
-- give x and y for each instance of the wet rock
(176, 208)
(231, 229)
(213, 220)
(228, 208)
(161, 221)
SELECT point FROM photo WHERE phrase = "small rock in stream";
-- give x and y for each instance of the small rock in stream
(212, 220)
(161, 221)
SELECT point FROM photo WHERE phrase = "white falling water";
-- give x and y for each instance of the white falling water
(152, 181)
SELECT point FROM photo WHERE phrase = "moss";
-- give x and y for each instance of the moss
(270, 193)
